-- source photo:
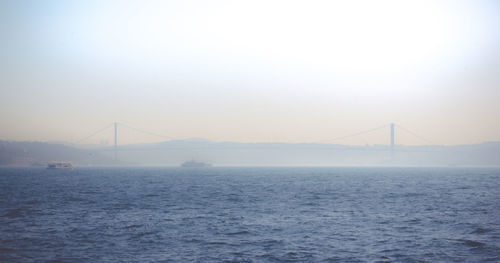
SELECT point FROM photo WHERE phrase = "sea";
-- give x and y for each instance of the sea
(336, 214)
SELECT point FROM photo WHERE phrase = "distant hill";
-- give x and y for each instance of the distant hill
(173, 153)
(40, 153)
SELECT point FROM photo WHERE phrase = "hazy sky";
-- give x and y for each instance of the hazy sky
(250, 71)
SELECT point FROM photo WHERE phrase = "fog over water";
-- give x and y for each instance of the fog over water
(259, 71)
(291, 130)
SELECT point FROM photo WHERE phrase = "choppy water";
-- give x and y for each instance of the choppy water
(250, 215)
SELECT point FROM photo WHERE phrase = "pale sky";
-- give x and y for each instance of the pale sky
(250, 71)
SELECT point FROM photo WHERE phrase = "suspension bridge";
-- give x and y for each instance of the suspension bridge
(391, 127)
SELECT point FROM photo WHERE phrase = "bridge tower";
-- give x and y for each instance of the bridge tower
(392, 139)
(116, 139)
(392, 135)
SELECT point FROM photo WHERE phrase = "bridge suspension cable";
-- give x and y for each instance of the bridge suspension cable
(414, 134)
(123, 125)
(95, 133)
(144, 131)
(357, 133)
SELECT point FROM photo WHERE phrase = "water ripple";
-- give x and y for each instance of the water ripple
(250, 215)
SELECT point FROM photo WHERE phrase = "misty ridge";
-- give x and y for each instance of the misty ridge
(175, 152)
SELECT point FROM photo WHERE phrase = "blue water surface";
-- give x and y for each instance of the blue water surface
(250, 215)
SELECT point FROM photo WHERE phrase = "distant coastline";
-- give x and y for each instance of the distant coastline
(173, 153)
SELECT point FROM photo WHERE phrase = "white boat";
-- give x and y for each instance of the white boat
(59, 165)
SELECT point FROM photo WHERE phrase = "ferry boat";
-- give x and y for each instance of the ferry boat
(59, 165)
(194, 164)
